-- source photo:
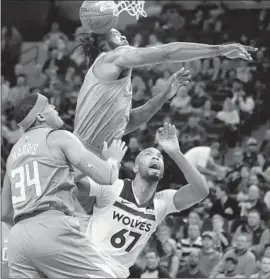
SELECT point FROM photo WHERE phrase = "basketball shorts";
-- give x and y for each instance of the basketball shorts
(50, 245)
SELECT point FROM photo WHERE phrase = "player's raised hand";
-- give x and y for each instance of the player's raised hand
(116, 151)
(178, 79)
(166, 138)
(234, 51)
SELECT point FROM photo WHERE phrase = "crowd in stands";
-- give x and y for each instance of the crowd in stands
(226, 235)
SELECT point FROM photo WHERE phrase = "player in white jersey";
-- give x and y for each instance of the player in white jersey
(128, 213)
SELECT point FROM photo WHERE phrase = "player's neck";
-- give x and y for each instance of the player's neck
(143, 190)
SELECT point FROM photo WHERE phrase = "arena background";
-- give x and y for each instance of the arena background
(36, 58)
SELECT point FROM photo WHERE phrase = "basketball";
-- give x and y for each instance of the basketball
(96, 20)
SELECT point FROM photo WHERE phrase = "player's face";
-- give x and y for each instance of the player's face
(51, 116)
(115, 39)
(150, 164)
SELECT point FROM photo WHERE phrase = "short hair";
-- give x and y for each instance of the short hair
(24, 106)
(152, 251)
(91, 45)
(254, 210)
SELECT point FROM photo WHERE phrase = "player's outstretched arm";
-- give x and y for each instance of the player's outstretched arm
(67, 146)
(197, 189)
(143, 114)
(130, 57)
(6, 201)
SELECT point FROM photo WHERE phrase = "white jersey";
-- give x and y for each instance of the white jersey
(120, 227)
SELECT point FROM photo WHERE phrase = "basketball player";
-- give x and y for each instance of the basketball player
(103, 110)
(128, 213)
(39, 191)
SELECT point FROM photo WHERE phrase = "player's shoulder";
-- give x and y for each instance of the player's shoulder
(61, 137)
(165, 195)
(110, 56)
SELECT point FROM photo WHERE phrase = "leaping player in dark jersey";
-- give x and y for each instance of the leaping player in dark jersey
(39, 194)
(104, 111)
(104, 106)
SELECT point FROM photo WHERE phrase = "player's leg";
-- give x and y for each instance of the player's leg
(19, 264)
(63, 250)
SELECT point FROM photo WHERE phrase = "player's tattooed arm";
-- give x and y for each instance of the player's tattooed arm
(6, 201)
(130, 57)
(144, 113)
(197, 189)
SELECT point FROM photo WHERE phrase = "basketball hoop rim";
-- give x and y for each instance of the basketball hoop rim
(135, 8)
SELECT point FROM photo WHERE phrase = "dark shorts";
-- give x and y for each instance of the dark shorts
(49, 245)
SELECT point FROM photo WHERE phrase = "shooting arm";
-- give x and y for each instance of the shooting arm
(129, 57)
(102, 172)
(143, 114)
(196, 190)
(6, 200)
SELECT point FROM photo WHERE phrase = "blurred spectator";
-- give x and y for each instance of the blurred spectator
(12, 132)
(133, 149)
(243, 71)
(152, 267)
(229, 115)
(254, 202)
(258, 233)
(206, 113)
(192, 134)
(153, 41)
(138, 88)
(209, 257)
(234, 176)
(251, 154)
(222, 239)
(193, 219)
(199, 95)
(214, 19)
(203, 158)
(11, 43)
(181, 103)
(192, 269)
(225, 206)
(19, 91)
(186, 245)
(211, 68)
(264, 269)
(244, 102)
(53, 62)
(230, 269)
(37, 79)
(169, 261)
(246, 264)
(55, 38)
(265, 146)
(138, 40)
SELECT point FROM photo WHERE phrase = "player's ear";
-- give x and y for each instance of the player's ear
(135, 169)
(40, 118)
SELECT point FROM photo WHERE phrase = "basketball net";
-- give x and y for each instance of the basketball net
(134, 8)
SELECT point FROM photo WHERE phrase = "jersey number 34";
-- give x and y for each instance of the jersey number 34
(23, 179)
